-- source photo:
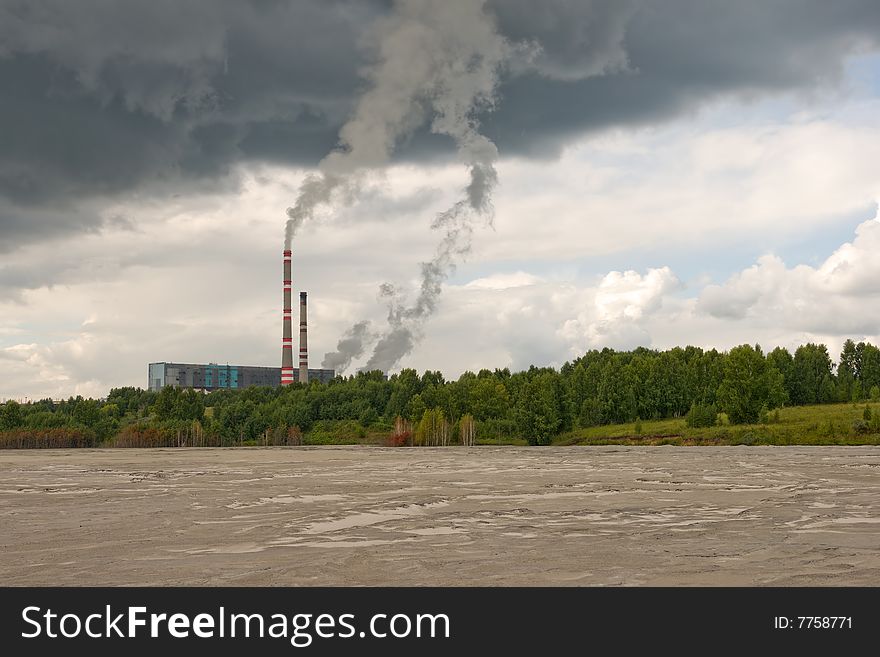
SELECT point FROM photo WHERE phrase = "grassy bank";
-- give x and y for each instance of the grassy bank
(826, 424)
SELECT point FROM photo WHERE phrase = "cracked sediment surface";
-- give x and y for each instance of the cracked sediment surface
(786, 516)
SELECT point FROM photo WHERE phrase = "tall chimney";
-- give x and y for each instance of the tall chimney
(303, 341)
(286, 332)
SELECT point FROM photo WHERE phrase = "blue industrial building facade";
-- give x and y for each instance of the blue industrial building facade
(212, 376)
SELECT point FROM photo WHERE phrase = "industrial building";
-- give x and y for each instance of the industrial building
(216, 377)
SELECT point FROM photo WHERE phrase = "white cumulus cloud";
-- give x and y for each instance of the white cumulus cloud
(838, 297)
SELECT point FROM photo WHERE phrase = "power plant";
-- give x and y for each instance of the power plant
(212, 376)
(286, 334)
(303, 341)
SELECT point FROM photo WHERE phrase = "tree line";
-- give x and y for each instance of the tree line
(600, 387)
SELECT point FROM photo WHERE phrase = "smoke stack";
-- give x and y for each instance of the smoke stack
(286, 332)
(303, 341)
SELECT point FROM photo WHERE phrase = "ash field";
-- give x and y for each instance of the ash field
(553, 516)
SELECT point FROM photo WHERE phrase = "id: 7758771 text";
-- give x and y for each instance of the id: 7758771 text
(813, 622)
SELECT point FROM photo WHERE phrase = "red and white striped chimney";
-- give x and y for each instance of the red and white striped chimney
(286, 331)
(303, 341)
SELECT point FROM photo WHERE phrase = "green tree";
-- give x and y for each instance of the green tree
(539, 412)
(368, 416)
(403, 387)
(11, 416)
(617, 391)
(111, 410)
(163, 406)
(432, 378)
(133, 401)
(489, 399)
(783, 361)
(467, 430)
(851, 359)
(810, 367)
(827, 390)
(749, 384)
(777, 395)
(189, 405)
(870, 373)
(433, 429)
(86, 412)
(846, 377)
(856, 394)
(590, 414)
(415, 408)
(45, 420)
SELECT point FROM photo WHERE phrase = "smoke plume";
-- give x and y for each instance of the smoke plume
(406, 323)
(315, 190)
(456, 119)
(437, 60)
(350, 346)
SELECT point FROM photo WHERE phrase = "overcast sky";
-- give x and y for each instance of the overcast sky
(669, 172)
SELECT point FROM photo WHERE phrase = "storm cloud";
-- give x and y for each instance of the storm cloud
(107, 98)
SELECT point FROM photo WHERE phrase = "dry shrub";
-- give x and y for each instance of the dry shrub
(56, 438)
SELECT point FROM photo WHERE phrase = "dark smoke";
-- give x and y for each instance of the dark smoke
(314, 191)
(437, 59)
(406, 323)
(352, 345)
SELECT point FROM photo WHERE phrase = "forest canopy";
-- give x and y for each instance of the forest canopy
(535, 405)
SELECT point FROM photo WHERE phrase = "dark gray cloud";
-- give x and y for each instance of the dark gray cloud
(680, 53)
(577, 40)
(104, 97)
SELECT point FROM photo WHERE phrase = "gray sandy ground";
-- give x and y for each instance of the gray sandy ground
(453, 516)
